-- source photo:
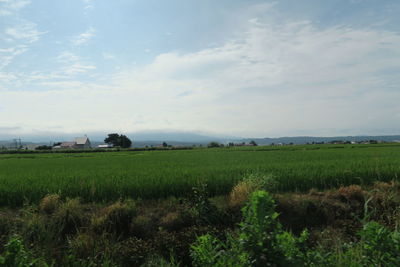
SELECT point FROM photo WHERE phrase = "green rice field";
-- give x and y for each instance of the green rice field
(104, 177)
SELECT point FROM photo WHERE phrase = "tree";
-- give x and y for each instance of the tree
(253, 143)
(214, 144)
(118, 140)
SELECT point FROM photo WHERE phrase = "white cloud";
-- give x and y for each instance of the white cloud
(78, 68)
(26, 31)
(108, 56)
(8, 54)
(64, 84)
(274, 79)
(273, 75)
(17, 34)
(73, 64)
(84, 38)
(18, 4)
(9, 7)
(67, 57)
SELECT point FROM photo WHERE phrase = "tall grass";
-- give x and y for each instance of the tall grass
(103, 177)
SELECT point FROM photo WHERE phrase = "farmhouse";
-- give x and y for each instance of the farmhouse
(78, 143)
(82, 142)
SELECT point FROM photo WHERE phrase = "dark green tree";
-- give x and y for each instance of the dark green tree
(214, 144)
(253, 143)
(118, 140)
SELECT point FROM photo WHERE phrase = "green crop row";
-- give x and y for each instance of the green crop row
(103, 177)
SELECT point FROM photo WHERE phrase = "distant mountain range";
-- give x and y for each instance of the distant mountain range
(298, 140)
(155, 138)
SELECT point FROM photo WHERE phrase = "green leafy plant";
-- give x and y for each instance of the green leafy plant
(260, 228)
(210, 251)
(15, 255)
(202, 209)
(380, 246)
(260, 241)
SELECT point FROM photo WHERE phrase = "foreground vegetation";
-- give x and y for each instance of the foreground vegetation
(350, 226)
(103, 177)
(249, 206)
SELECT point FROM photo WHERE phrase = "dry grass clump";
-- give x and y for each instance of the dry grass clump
(49, 203)
(34, 229)
(385, 199)
(116, 218)
(241, 192)
(352, 192)
(82, 245)
(171, 220)
(143, 226)
(68, 217)
(387, 186)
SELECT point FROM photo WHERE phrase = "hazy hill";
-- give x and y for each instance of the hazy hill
(310, 139)
(141, 139)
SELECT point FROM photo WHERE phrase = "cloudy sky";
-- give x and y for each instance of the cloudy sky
(246, 68)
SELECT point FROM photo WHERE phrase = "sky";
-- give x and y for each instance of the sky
(246, 68)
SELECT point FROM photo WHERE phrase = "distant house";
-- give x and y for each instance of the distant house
(67, 145)
(78, 143)
(82, 142)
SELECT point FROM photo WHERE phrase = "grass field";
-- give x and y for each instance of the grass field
(103, 177)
